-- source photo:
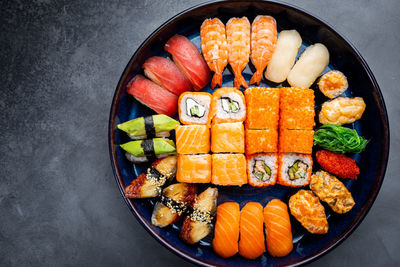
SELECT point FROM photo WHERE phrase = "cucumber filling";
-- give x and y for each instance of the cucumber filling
(261, 170)
(229, 105)
(298, 170)
(194, 109)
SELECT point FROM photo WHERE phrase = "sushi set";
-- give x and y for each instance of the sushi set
(247, 169)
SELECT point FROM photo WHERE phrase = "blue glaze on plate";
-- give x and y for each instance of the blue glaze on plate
(373, 125)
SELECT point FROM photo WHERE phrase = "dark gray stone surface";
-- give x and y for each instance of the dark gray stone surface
(60, 63)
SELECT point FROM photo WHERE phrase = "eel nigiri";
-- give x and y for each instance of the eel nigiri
(251, 243)
(283, 58)
(174, 202)
(143, 150)
(149, 184)
(263, 42)
(238, 37)
(226, 232)
(149, 127)
(165, 73)
(152, 95)
(198, 223)
(278, 229)
(189, 60)
(215, 48)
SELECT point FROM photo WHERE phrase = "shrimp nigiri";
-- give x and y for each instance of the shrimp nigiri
(238, 37)
(214, 48)
(263, 42)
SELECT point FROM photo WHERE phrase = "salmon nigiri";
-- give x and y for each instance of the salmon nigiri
(251, 243)
(278, 229)
(226, 231)
(214, 47)
(263, 42)
(189, 60)
(238, 37)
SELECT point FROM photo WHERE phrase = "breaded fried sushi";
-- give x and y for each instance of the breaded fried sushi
(332, 191)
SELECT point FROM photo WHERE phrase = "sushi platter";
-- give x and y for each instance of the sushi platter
(240, 134)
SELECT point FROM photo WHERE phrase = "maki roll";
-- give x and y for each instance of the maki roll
(194, 168)
(174, 202)
(296, 108)
(228, 169)
(294, 169)
(149, 127)
(262, 108)
(262, 169)
(149, 184)
(227, 137)
(194, 108)
(198, 224)
(299, 141)
(333, 83)
(258, 141)
(145, 150)
(228, 105)
(192, 139)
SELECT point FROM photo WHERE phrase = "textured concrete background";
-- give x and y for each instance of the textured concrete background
(60, 62)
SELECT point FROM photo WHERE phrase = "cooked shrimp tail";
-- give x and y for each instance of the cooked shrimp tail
(256, 78)
(239, 80)
(216, 80)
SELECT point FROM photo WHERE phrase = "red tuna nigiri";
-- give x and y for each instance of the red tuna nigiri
(278, 229)
(251, 243)
(165, 73)
(189, 60)
(153, 95)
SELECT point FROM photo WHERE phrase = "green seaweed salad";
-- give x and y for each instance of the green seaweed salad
(339, 139)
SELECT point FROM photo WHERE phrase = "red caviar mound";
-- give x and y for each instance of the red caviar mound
(338, 164)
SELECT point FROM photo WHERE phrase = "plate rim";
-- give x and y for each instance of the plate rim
(359, 217)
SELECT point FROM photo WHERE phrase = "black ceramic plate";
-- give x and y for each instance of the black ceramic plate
(343, 56)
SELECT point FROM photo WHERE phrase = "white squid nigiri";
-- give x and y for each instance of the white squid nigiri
(310, 65)
(283, 58)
